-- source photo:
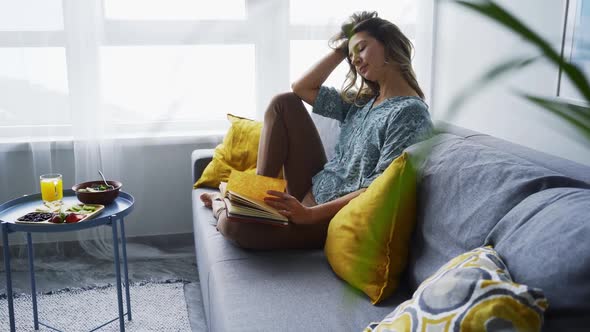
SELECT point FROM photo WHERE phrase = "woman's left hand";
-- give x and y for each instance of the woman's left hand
(289, 206)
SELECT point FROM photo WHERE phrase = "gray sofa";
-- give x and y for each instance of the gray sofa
(473, 189)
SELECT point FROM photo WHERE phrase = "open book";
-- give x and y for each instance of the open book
(244, 198)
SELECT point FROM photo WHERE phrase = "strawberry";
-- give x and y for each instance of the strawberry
(73, 217)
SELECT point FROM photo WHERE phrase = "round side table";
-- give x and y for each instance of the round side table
(110, 216)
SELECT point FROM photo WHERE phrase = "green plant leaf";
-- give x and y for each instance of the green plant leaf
(500, 15)
(576, 115)
(487, 78)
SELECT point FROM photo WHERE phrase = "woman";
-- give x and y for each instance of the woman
(378, 121)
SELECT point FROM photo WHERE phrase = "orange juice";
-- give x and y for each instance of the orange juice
(51, 187)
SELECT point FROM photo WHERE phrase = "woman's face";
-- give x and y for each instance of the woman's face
(367, 55)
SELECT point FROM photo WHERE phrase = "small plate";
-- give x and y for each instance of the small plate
(87, 216)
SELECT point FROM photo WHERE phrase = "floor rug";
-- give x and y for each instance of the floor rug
(154, 307)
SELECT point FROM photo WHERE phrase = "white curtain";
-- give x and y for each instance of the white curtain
(83, 76)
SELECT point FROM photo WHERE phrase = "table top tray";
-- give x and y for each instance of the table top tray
(10, 211)
(96, 212)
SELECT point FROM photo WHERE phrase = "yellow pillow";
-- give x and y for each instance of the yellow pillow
(472, 292)
(239, 150)
(368, 239)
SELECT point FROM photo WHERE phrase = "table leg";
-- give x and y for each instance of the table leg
(117, 273)
(32, 274)
(8, 276)
(125, 270)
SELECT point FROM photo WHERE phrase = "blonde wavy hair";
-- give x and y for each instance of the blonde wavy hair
(398, 51)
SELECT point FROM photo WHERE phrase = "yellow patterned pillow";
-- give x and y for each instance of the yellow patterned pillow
(239, 151)
(472, 292)
(368, 240)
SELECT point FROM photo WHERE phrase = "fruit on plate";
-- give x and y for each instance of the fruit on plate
(56, 219)
(73, 217)
(36, 216)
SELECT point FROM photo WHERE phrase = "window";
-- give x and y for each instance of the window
(152, 67)
(577, 44)
(39, 75)
(306, 52)
(142, 85)
(20, 16)
(313, 12)
(175, 9)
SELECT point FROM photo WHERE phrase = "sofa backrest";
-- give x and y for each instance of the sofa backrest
(560, 165)
(478, 190)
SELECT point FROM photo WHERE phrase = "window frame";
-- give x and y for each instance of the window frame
(271, 37)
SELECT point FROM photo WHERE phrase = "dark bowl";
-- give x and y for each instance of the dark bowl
(101, 197)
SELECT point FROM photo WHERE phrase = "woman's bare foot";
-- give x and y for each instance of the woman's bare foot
(207, 199)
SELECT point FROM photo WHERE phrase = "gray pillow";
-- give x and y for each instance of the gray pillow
(465, 189)
(545, 242)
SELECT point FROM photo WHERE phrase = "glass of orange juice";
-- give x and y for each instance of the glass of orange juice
(51, 187)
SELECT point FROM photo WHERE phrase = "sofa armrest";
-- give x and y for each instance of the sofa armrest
(200, 158)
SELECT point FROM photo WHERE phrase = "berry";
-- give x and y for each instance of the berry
(36, 216)
(57, 219)
(73, 217)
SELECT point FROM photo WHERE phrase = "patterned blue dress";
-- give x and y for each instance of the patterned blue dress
(370, 139)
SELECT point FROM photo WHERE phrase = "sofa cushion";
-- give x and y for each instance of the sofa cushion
(544, 242)
(472, 292)
(210, 245)
(367, 243)
(464, 189)
(287, 290)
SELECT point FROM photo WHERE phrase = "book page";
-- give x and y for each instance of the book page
(252, 203)
(245, 210)
(253, 186)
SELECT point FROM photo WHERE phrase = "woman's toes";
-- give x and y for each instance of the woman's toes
(206, 199)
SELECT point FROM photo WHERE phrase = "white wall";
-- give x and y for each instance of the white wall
(469, 44)
(157, 172)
